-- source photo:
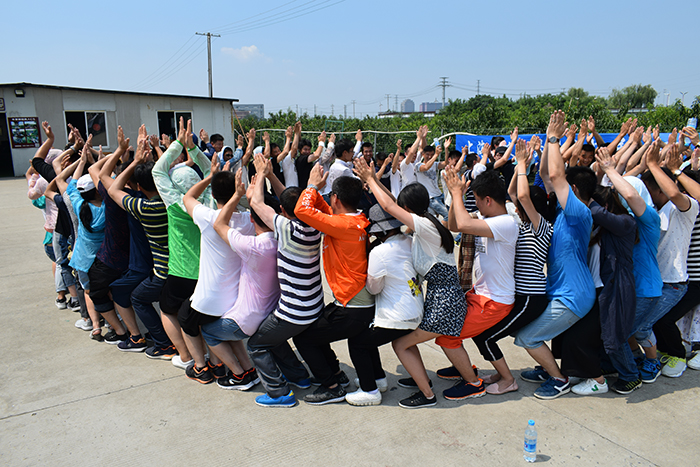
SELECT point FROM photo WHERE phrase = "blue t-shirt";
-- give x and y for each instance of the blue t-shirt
(568, 277)
(647, 276)
(140, 257)
(87, 243)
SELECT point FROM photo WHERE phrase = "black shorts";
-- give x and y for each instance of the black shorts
(101, 277)
(176, 292)
(190, 319)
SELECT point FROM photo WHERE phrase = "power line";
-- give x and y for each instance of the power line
(168, 63)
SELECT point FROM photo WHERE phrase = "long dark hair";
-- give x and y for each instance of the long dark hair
(545, 205)
(85, 214)
(608, 198)
(414, 197)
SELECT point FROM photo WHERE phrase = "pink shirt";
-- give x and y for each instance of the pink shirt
(259, 288)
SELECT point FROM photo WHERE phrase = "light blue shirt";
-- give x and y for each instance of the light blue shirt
(87, 243)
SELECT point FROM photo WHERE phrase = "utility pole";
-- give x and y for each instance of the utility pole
(396, 103)
(209, 36)
(297, 112)
(668, 96)
(314, 110)
(683, 97)
(332, 113)
(443, 85)
(387, 102)
(345, 111)
(353, 108)
(478, 83)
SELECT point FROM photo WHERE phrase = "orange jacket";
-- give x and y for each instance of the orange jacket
(344, 246)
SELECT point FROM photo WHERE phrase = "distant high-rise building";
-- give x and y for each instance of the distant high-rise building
(245, 110)
(430, 106)
(408, 106)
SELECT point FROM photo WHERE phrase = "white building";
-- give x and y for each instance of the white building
(23, 106)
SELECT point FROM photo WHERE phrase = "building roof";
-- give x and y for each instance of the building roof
(69, 88)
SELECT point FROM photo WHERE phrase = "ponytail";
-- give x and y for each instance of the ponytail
(85, 214)
(414, 197)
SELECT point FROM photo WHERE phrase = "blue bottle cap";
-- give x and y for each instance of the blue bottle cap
(531, 422)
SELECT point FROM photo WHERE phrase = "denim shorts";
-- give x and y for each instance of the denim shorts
(555, 319)
(222, 330)
(84, 279)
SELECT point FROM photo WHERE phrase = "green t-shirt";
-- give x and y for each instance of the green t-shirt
(183, 239)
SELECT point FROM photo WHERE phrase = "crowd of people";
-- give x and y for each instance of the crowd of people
(214, 258)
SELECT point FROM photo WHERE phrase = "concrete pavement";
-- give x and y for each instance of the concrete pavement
(67, 400)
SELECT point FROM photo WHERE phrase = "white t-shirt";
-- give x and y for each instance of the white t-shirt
(395, 180)
(676, 227)
(219, 266)
(393, 279)
(427, 249)
(494, 260)
(594, 265)
(339, 168)
(408, 173)
(428, 179)
(445, 190)
(291, 178)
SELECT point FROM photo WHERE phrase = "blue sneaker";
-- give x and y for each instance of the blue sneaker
(651, 369)
(552, 388)
(538, 375)
(287, 401)
(302, 384)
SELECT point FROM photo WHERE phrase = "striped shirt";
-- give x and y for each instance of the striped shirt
(299, 271)
(154, 218)
(530, 258)
(694, 253)
(469, 199)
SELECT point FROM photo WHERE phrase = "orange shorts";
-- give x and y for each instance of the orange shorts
(482, 313)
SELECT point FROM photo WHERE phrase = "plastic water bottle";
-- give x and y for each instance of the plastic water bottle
(530, 451)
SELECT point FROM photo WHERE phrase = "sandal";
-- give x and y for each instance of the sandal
(96, 335)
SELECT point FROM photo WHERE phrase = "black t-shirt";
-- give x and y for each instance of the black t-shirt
(506, 172)
(303, 167)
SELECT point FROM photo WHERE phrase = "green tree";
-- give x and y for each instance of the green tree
(636, 96)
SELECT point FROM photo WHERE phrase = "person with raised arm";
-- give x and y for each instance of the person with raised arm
(433, 259)
(669, 340)
(570, 287)
(408, 167)
(151, 213)
(287, 159)
(427, 175)
(306, 159)
(534, 235)
(647, 276)
(301, 300)
(345, 265)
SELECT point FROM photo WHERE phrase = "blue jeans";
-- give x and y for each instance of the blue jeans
(222, 330)
(648, 312)
(437, 205)
(64, 273)
(142, 299)
(554, 320)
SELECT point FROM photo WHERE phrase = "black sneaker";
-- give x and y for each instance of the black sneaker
(626, 387)
(201, 375)
(410, 383)
(342, 379)
(114, 339)
(449, 373)
(73, 304)
(242, 383)
(161, 353)
(417, 400)
(324, 395)
(61, 303)
(132, 344)
(218, 371)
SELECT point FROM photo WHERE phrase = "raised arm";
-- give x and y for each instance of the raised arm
(190, 198)
(557, 171)
(429, 163)
(667, 185)
(287, 144)
(509, 150)
(446, 149)
(319, 149)
(295, 142)
(592, 130)
(637, 156)
(249, 149)
(263, 169)
(459, 220)
(673, 163)
(116, 189)
(625, 156)
(522, 155)
(221, 223)
(108, 164)
(367, 175)
(385, 164)
(627, 191)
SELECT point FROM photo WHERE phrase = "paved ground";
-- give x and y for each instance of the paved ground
(67, 400)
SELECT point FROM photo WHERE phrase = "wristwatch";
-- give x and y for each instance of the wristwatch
(677, 172)
(553, 140)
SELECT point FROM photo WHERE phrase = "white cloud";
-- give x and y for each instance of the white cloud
(244, 54)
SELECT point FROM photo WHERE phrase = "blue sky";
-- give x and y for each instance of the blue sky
(285, 53)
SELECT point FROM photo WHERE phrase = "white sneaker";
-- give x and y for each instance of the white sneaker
(84, 324)
(382, 384)
(590, 387)
(361, 397)
(694, 362)
(674, 367)
(178, 363)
